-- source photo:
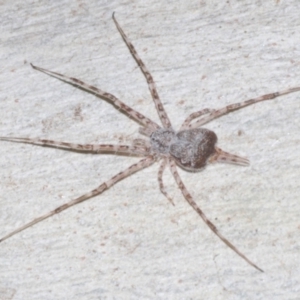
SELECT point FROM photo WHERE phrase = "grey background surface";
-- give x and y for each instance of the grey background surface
(130, 243)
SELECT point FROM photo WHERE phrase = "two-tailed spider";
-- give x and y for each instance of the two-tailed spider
(190, 148)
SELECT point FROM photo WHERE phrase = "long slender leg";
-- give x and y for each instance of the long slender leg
(191, 201)
(135, 115)
(158, 104)
(90, 148)
(219, 112)
(191, 117)
(142, 164)
(160, 180)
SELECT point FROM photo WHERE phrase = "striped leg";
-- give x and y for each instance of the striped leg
(194, 205)
(90, 148)
(160, 180)
(219, 112)
(142, 164)
(159, 107)
(191, 117)
(138, 117)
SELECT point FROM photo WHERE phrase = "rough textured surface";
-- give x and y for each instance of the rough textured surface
(130, 242)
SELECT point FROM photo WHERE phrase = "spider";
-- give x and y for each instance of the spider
(190, 148)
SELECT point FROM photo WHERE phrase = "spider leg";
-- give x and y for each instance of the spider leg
(135, 115)
(192, 116)
(90, 148)
(158, 104)
(160, 180)
(191, 201)
(219, 112)
(225, 157)
(142, 164)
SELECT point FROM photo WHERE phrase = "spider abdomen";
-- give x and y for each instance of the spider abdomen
(190, 148)
(193, 148)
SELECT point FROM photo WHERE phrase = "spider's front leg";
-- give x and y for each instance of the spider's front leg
(135, 115)
(151, 84)
(142, 164)
(87, 148)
